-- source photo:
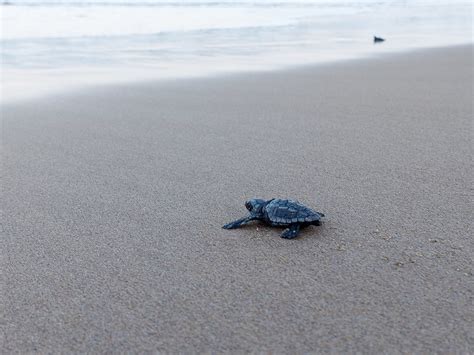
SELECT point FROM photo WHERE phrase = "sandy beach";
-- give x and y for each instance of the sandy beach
(113, 201)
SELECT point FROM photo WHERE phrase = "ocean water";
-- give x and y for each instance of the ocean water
(56, 45)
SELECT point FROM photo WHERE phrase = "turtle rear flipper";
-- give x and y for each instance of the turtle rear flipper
(291, 232)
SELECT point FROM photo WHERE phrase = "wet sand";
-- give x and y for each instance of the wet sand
(113, 201)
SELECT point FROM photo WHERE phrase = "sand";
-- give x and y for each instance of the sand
(113, 201)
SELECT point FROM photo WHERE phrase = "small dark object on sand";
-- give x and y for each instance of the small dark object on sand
(279, 213)
(378, 39)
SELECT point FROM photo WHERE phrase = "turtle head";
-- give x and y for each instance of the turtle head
(255, 206)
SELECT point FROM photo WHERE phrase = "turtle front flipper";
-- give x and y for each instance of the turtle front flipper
(291, 232)
(238, 223)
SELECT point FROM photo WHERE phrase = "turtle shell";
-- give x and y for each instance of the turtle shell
(284, 212)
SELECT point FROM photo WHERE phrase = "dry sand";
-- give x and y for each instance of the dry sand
(113, 201)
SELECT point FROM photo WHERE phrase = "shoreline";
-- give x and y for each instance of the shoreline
(30, 93)
(113, 201)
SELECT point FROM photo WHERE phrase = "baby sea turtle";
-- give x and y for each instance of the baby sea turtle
(279, 213)
(378, 39)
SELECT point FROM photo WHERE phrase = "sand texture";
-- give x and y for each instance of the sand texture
(113, 201)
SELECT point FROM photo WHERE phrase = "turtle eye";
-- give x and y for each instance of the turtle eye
(248, 206)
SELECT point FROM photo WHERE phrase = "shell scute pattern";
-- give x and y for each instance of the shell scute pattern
(282, 212)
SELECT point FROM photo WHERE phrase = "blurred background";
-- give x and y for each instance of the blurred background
(59, 44)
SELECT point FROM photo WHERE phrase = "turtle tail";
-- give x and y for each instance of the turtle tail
(321, 214)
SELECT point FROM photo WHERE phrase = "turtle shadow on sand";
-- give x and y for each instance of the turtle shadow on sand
(279, 213)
